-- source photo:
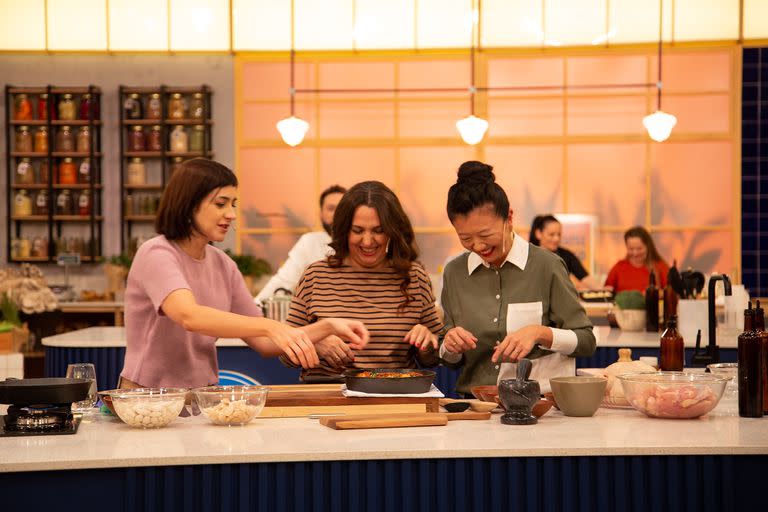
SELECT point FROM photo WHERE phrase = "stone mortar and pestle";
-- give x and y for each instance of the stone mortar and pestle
(518, 396)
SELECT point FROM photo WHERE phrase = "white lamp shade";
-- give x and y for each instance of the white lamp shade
(292, 130)
(659, 125)
(472, 129)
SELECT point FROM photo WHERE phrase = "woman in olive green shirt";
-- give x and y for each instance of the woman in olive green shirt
(505, 299)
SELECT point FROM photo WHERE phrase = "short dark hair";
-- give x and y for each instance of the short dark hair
(539, 223)
(333, 189)
(476, 187)
(640, 232)
(184, 192)
(402, 250)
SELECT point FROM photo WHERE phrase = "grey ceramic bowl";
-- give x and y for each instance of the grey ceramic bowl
(578, 396)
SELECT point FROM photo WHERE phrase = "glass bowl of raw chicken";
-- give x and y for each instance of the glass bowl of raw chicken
(675, 395)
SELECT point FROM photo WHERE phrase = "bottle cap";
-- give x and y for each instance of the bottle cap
(749, 311)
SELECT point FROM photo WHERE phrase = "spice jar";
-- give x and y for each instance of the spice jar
(67, 172)
(128, 205)
(154, 107)
(84, 203)
(42, 107)
(65, 140)
(177, 108)
(155, 139)
(22, 110)
(23, 140)
(84, 139)
(41, 140)
(87, 103)
(132, 107)
(136, 141)
(179, 140)
(137, 172)
(25, 248)
(197, 106)
(197, 138)
(25, 175)
(22, 204)
(39, 247)
(84, 172)
(41, 203)
(43, 173)
(66, 108)
(64, 203)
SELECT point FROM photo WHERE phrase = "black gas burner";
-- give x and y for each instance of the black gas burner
(38, 419)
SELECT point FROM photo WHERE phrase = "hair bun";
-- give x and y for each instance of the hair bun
(474, 172)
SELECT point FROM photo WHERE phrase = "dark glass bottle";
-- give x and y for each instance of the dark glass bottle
(672, 349)
(760, 328)
(652, 305)
(670, 297)
(750, 377)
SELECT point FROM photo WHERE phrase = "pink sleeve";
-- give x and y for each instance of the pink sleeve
(158, 273)
(242, 300)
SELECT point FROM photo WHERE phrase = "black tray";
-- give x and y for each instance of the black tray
(390, 385)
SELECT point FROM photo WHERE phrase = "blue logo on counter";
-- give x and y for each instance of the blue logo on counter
(233, 378)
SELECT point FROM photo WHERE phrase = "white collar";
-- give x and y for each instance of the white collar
(517, 255)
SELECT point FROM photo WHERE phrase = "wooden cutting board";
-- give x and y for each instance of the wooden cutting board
(360, 421)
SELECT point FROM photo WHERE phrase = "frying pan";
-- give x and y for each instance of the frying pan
(43, 391)
(389, 385)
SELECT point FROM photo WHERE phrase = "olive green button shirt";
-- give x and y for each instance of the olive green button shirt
(476, 296)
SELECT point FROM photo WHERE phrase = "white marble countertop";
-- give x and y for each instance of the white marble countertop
(106, 337)
(104, 442)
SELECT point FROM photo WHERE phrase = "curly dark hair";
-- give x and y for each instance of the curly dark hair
(402, 250)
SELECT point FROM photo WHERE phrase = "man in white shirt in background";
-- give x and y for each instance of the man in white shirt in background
(310, 248)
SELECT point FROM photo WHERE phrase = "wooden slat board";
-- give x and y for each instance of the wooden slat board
(361, 421)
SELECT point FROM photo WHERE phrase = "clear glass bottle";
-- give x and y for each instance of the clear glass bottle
(84, 139)
(136, 139)
(22, 204)
(39, 247)
(41, 140)
(65, 140)
(67, 108)
(67, 172)
(24, 173)
(177, 107)
(197, 138)
(84, 172)
(23, 142)
(84, 203)
(64, 203)
(179, 140)
(155, 139)
(137, 172)
(41, 203)
(197, 106)
(132, 107)
(154, 107)
(22, 108)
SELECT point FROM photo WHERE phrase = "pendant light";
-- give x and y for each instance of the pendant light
(293, 129)
(472, 129)
(659, 124)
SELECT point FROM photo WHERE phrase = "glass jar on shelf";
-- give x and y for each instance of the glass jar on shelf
(132, 107)
(84, 172)
(179, 140)
(67, 172)
(65, 140)
(25, 248)
(197, 106)
(84, 139)
(177, 106)
(43, 173)
(128, 205)
(41, 203)
(25, 174)
(23, 142)
(84, 203)
(42, 107)
(22, 204)
(41, 140)
(15, 242)
(154, 107)
(39, 247)
(64, 203)
(197, 138)
(137, 172)
(88, 104)
(136, 139)
(155, 139)
(67, 108)
(22, 108)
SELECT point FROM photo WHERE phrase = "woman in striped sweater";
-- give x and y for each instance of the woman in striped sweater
(372, 276)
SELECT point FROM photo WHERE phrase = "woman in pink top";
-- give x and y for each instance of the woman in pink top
(183, 292)
(633, 272)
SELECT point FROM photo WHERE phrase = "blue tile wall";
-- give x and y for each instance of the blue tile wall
(754, 171)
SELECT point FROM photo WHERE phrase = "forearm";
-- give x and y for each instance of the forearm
(223, 324)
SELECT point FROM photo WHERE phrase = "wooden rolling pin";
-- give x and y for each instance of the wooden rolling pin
(358, 421)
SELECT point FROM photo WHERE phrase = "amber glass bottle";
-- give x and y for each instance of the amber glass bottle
(672, 350)
(760, 328)
(750, 377)
(652, 305)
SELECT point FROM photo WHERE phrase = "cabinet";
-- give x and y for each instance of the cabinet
(53, 163)
(160, 127)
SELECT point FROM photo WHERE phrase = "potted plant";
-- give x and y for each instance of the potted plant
(630, 310)
(251, 268)
(117, 272)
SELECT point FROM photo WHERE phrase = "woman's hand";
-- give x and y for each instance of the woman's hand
(335, 352)
(518, 344)
(421, 338)
(295, 343)
(458, 340)
(351, 330)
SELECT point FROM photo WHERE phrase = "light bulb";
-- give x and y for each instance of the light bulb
(472, 129)
(659, 125)
(292, 130)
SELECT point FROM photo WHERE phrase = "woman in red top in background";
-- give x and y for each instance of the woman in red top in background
(633, 272)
